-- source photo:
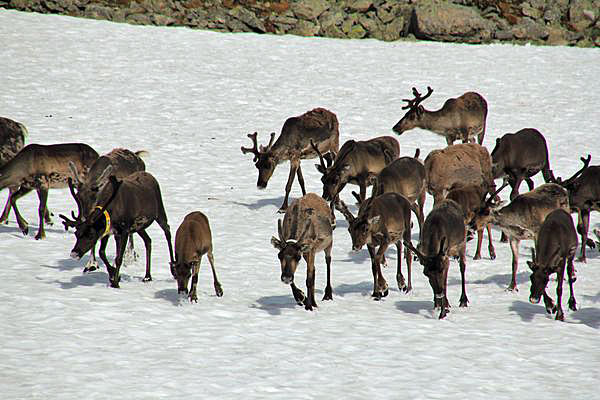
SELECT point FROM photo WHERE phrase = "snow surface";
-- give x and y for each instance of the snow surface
(190, 97)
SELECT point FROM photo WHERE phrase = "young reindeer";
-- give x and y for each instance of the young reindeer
(382, 221)
(294, 144)
(460, 118)
(358, 162)
(12, 140)
(443, 236)
(43, 167)
(125, 207)
(307, 229)
(555, 246)
(192, 240)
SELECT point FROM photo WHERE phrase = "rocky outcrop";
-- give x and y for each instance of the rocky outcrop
(555, 22)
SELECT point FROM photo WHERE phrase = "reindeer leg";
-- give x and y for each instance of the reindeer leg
(583, 226)
(560, 316)
(43, 196)
(23, 225)
(363, 190)
(328, 290)
(195, 270)
(148, 245)
(294, 164)
(490, 243)
(477, 255)
(571, 275)
(113, 273)
(162, 222)
(529, 183)
(514, 247)
(548, 303)
(463, 266)
(445, 304)
(310, 302)
(298, 294)
(6, 211)
(421, 215)
(300, 179)
(408, 257)
(399, 277)
(374, 270)
(92, 264)
(382, 286)
(130, 255)
(216, 283)
(102, 254)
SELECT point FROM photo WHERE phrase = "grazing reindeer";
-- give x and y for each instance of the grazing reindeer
(12, 140)
(405, 175)
(443, 236)
(120, 163)
(293, 144)
(522, 218)
(307, 228)
(43, 167)
(382, 221)
(192, 240)
(584, 197)
(358, 162)
(458, 166)
(555, 246)
(519, 156)
(460, 118)
(124, 206)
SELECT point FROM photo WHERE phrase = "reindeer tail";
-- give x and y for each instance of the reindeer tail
(142, 153)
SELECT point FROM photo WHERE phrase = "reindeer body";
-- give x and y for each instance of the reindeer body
(12, 140)
(125, 207)
(319, 126)
(555, 245)
(192, 240)
(43, 167)
(457, 166)
(307, 229)
(462, 118)
(358, 162)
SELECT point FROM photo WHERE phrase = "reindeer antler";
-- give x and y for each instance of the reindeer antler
(488, 202)
(76, 220)
(341, 207)
(414, 103)
(265, 149)
(254, 149)
(322, 160)
(586, 163)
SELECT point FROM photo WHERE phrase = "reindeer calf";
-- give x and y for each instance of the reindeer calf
(192, 240)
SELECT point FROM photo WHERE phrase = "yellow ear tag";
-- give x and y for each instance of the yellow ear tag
(107, 216)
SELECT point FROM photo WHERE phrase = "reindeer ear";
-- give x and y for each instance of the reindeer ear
(276, 243)
(74, 173)
(374, 220)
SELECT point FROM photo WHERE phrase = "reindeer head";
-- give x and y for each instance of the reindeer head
(182, 272)
(576, 186)
(539, 279)
(334, 177)
(361, 228)
(415, 111)
(290, 251)
(264, 159)
(433, 266)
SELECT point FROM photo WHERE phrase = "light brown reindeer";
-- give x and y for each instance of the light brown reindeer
(307, 229)
(319, 126)
(43, 167)
(461, 118)
(192, 240)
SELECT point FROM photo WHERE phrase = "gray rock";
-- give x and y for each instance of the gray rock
(530, 30)
(305, 28)
(504, 35)
(394, 30)
(309, 9)
(359, 5)
(97, 11)
(248, 17)
(579, 14)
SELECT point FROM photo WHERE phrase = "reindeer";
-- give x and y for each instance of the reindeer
(293, 144)
(43, 167)
(125, 206)
(522, 218)
(12, 140)
(458, 166)
(584, 197)
(192, 240)
(307, 228)
(555, 246)
(120, 163)
(358, 162)
(443, 236)
(460, 118)
(405, 175)
(382, 220)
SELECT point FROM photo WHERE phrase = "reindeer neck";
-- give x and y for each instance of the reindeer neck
(434, 121)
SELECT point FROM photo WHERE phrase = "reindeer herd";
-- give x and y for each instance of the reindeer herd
(116, 197)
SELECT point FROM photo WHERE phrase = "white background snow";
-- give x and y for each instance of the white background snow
(190, 98)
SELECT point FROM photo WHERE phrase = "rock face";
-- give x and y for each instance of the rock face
(555, 22)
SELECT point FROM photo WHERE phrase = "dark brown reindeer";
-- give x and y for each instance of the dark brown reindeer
(12, 140)
(124, 207)
(382, 220)
(523, 217)
(120, 163)
(307, 229)
(461, 118)
(555, 246)
(584, 197)
(358, 162)
(43, 167)
(192, 240)
(443, 236)
(319, 126)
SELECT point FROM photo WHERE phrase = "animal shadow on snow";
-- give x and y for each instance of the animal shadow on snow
(90, 279)
(528, 311)
(589, 316)
(501, 280)
(171, 295)
(274, 304)
(415, 307)
(364, 288)
(275, 201)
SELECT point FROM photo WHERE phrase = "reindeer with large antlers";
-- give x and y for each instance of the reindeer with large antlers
(462, 118)
(294, 144)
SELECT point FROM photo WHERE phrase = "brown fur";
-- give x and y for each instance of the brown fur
(12, 140)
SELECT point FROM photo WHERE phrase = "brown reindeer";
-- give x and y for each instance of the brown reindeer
(443, 236)
(192, 240)
(555, 246)
(382, 220)
(584, 197)
(118, 162)
(358, 162)
(522, 218)
(458, 166)
(125, 207)
(12, 140)
(460, 118)
(319, 126)
(405, 175)
(43, 167)
(307, 228)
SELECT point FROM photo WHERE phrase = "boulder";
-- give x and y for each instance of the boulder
(309, 9)
(305, 28)
(583, 14)
(249, 18)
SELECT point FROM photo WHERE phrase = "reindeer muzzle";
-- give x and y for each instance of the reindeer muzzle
(287, 279)
(261, 185)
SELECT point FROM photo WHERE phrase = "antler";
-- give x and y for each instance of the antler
(414, 103)
(341, 207)
(321, 159)
(254, 149)
(568, 182)
(76, 220)
(490, 199)
(265, 149)
(412, 248)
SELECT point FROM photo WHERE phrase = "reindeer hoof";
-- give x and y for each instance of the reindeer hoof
(582, 259)
(114, 284)
(40, 236)
(572, 305)
(328, 294)
(90, 269)
(25, 231)
(407, 289)
(147, 279)
(477, 257)
(512, 288)
(218, 290)
(492, 255)
(193, 299)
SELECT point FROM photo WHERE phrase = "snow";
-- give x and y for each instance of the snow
(190, 98)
